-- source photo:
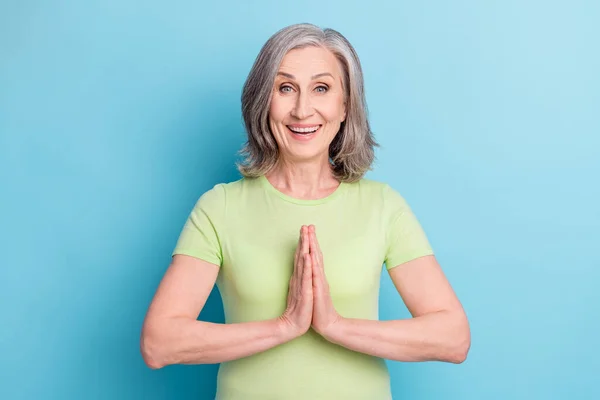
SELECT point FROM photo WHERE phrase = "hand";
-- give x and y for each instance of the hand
(298, 315)
(324, 315)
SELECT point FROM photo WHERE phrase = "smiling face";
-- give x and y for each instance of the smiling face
(307, 104)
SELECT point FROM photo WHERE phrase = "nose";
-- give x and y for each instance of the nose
(302, 109)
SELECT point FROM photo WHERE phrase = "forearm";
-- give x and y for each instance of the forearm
(440, 336)
(186, 341)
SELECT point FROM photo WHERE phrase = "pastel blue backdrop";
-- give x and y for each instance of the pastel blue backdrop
(116, 115)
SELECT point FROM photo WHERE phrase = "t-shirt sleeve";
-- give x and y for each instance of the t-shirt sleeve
(201, 236)
(406, 239)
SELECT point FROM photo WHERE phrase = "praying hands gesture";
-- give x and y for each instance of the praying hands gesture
(438, 330)
(309, 300)
(324, 315)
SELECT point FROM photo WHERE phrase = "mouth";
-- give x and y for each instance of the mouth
(304, 131)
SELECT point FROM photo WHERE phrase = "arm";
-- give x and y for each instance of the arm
(438, 331)
(171, 333)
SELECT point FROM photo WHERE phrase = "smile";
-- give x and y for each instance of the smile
(303, 130)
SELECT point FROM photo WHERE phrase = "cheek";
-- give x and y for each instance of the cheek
(278, 109)
(333, 109)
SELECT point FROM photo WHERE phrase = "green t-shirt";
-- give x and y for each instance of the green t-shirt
(251, 229)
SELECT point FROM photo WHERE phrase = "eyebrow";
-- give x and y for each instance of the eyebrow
(290, 76)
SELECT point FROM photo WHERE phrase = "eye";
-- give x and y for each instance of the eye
(285, 88)
(321, 89)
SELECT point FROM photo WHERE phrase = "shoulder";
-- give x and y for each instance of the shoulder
(216, 198)
(381, 193)
(225, 196)
(368, 187)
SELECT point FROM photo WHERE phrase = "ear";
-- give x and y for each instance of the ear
(344, 112)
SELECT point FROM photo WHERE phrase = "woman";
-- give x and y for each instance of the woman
(296, 247)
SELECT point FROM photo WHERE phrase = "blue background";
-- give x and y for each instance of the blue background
(115, 116)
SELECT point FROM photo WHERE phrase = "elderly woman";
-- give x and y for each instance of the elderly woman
(296, 247)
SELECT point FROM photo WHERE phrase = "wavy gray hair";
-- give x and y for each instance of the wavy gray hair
(351, 152)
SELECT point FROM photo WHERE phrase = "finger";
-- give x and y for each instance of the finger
(298, 271)
(320, 271)
(316, 278)
(301, 262)
(318, 247)
(305, 241)
(298, 247)
(301, 270)
(307, 273)
(309, 234)
(311, 238)
(316, 240)
(315, 249)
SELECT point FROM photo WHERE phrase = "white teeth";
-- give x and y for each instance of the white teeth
(304, 130)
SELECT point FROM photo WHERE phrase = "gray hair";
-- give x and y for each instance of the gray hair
(351, 152)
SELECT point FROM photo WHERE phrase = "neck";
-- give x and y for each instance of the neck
(308, 180)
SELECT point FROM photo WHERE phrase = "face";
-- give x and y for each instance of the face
(307, 104)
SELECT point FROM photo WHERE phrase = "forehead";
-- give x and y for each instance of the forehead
(309, 61)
